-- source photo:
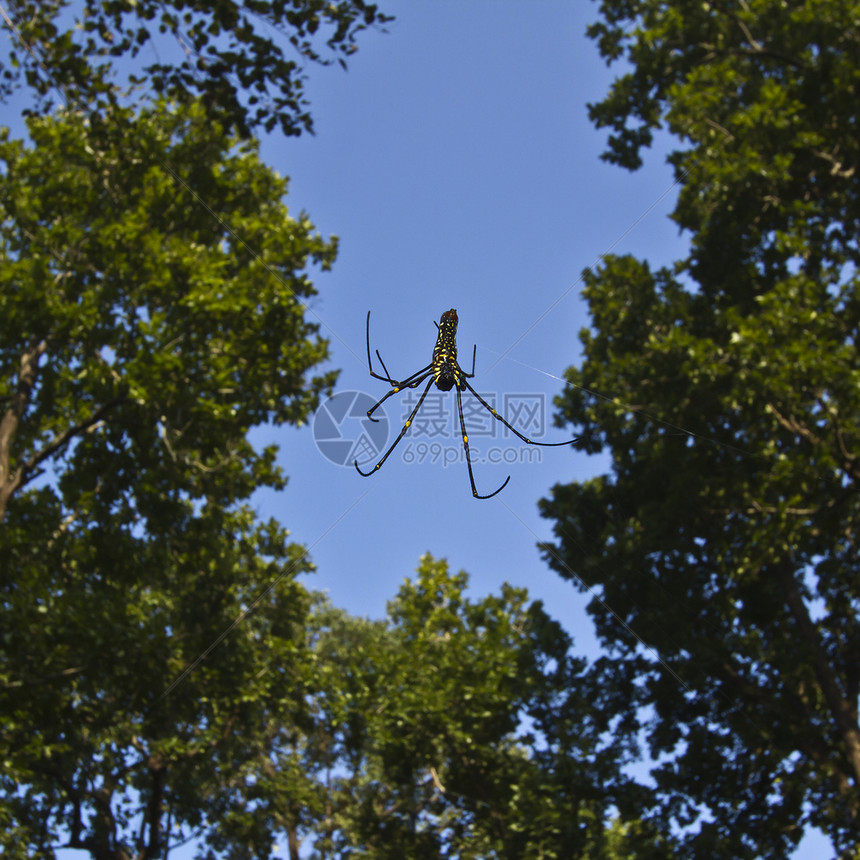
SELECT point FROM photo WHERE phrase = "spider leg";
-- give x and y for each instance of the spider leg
(410, 382)
(514, 429)
(405, 427)
(475, 492)
(387, 378)
(384, 369)
(470, 375)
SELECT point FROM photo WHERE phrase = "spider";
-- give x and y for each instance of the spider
(446, 372)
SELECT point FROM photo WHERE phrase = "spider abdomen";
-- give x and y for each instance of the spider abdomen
(446, 375)
(445, 369)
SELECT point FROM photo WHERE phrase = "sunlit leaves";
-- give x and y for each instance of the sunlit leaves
(148, 300)
(419, 731)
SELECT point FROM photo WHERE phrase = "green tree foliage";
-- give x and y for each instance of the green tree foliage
(149, 330)
(462, 728)
(242, 60)
(732, 553)
(140, 341)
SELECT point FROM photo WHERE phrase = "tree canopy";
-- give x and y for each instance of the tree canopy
(464, 728)
(724, 535)
(164, 678)
(139, 342)
(243, 61)
(140, 335)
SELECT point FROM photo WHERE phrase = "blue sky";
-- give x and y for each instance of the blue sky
(457, 165)
(456, 162)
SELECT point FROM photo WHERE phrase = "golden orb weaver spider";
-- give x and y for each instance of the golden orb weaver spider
(446, 372)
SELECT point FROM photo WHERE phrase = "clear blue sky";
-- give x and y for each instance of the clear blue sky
(456, 163)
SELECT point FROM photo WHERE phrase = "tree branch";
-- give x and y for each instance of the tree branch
(153, 814)
(63, 439)
(843, 712)
(43, 679)
(757, 48)
(13, 479)
(28, 371)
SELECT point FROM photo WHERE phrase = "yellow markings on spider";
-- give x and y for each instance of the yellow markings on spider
(445, 372)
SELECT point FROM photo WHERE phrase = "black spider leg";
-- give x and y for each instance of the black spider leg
(405, 427)
(475, 492)
(412, 381)
(387, 378)
(496, 414)
(470, 375)
(514, 429)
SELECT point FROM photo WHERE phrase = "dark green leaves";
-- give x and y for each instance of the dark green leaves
(242, 60)
(723, 534)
